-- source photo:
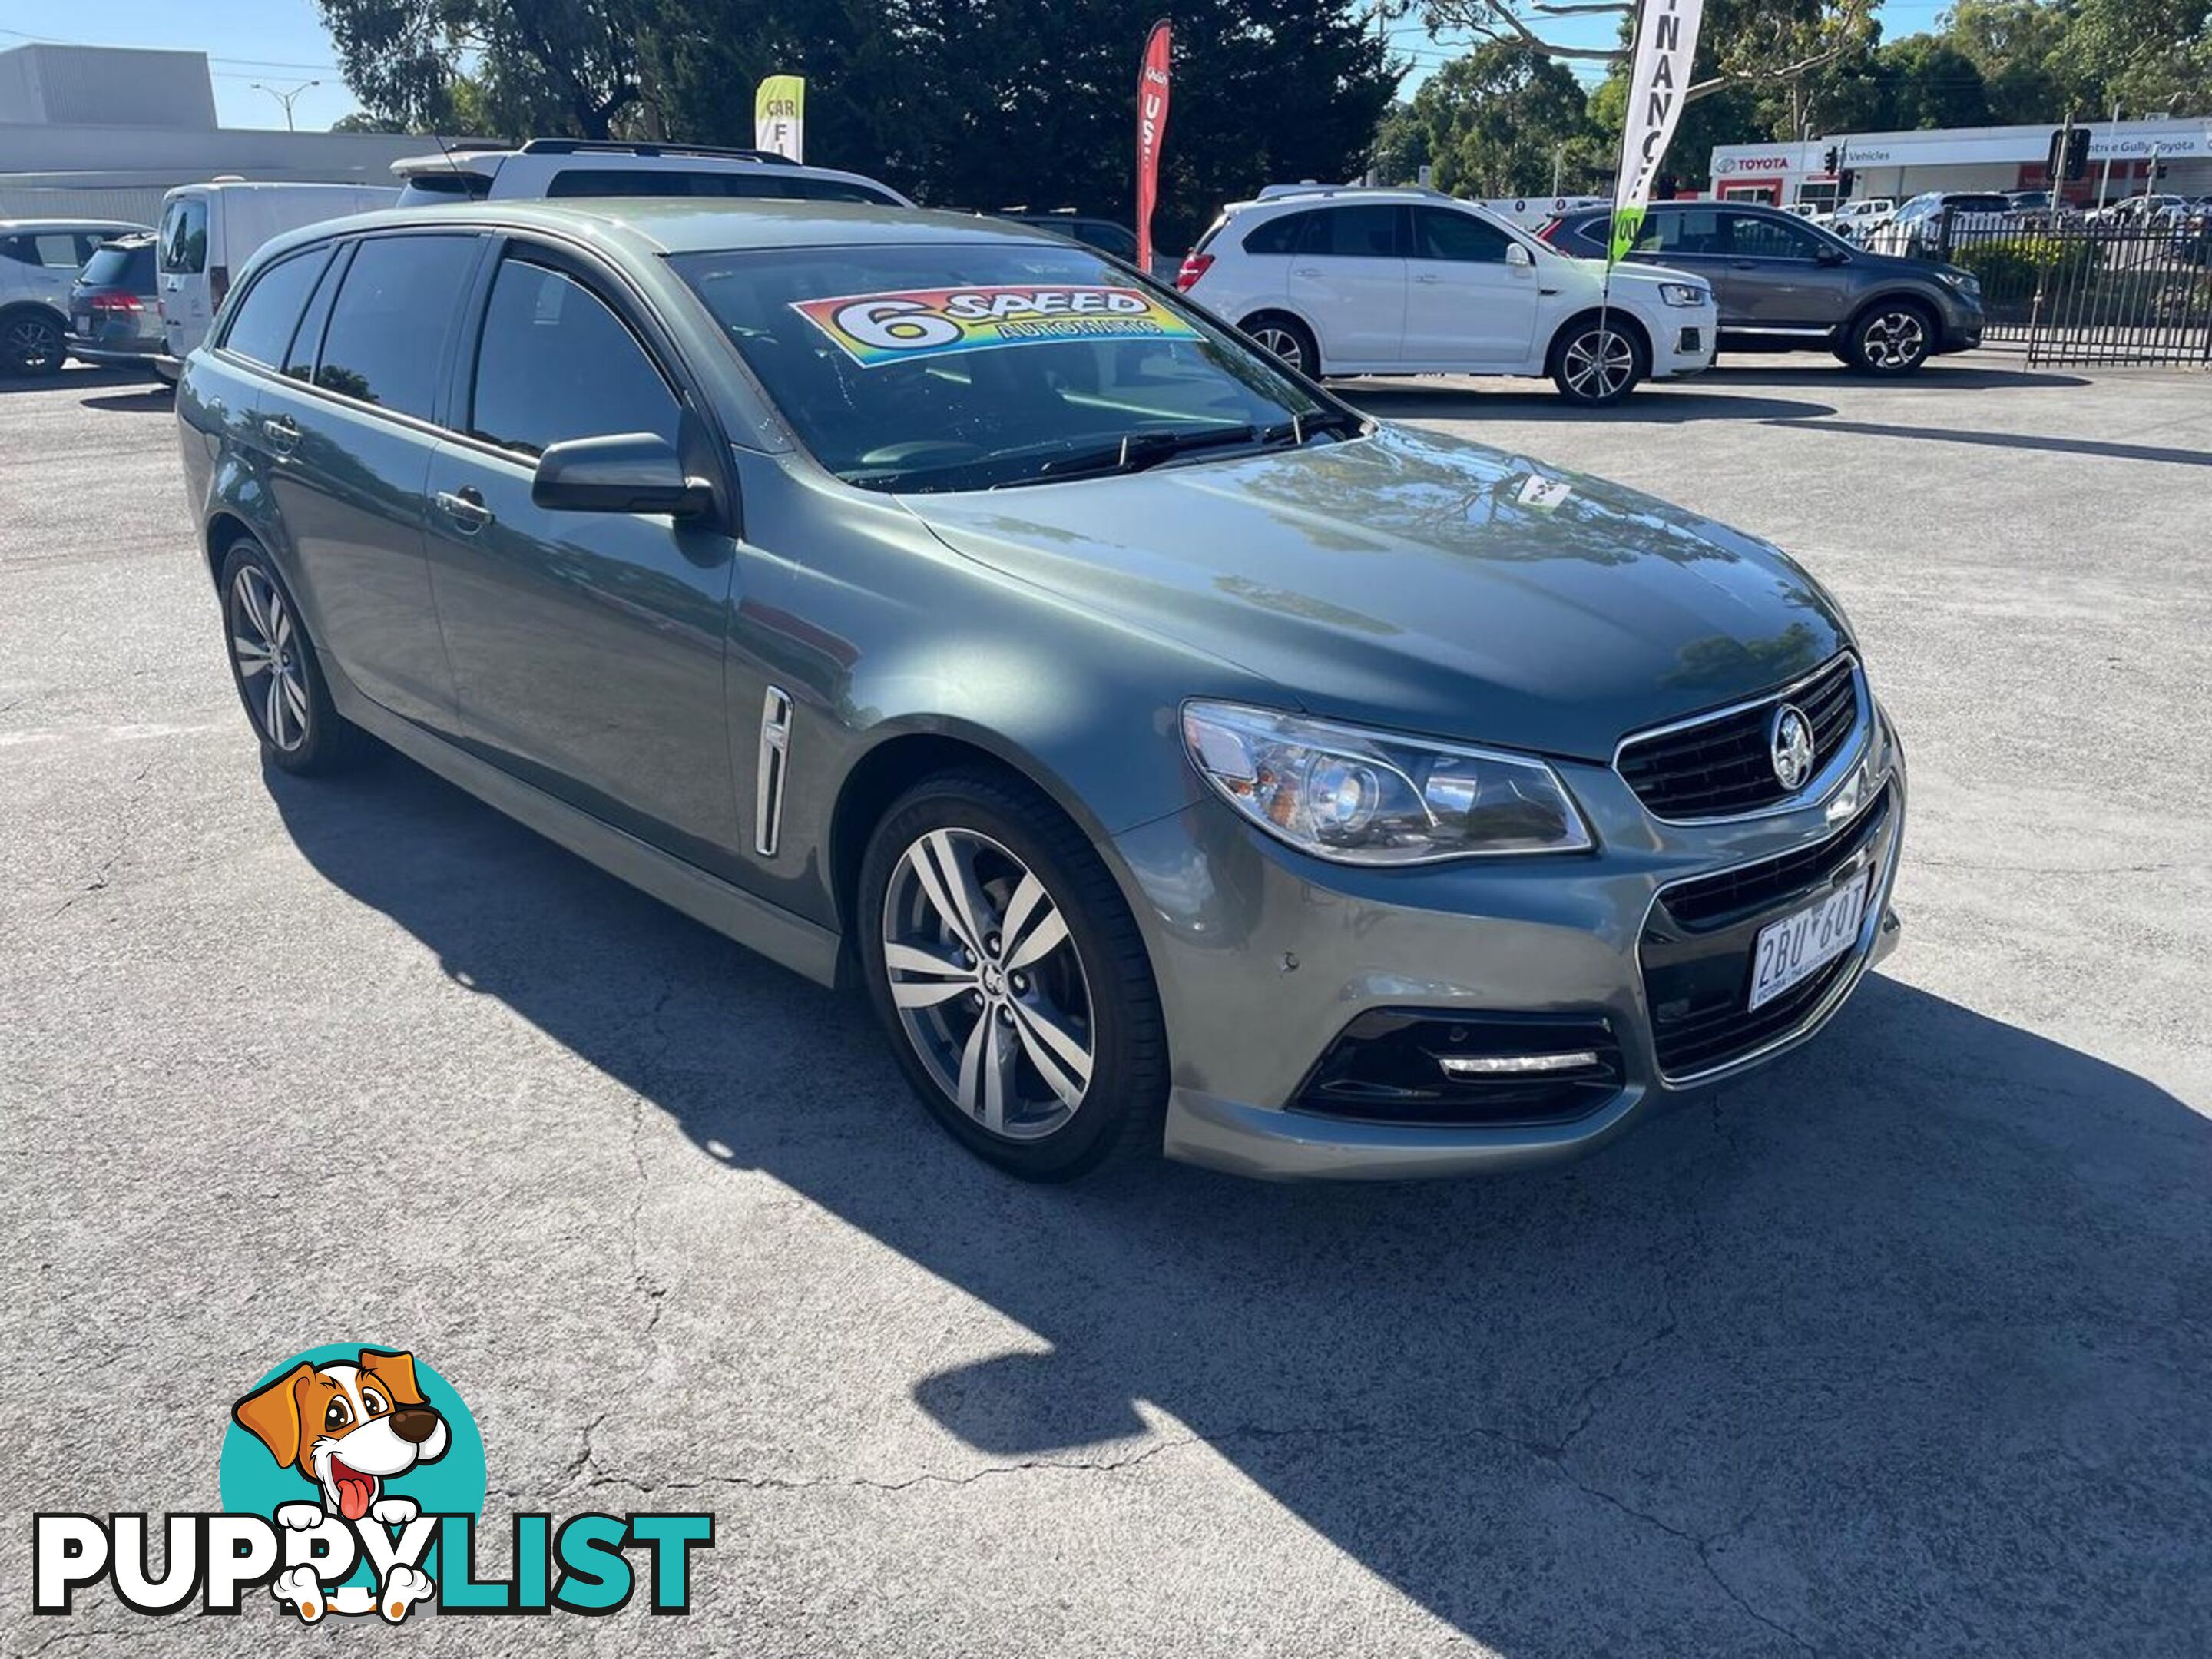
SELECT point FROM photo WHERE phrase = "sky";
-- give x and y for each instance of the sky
(280, 43)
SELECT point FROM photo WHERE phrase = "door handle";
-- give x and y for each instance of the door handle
(1305, 271)
(464, 508)
(283, 436)
(1426, 276)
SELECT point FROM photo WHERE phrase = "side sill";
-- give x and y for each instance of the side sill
(790, 941)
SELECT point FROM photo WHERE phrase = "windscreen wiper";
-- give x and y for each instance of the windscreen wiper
(1140, 450)
(1301, 429)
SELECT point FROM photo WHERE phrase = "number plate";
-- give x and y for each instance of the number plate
(1805, 941)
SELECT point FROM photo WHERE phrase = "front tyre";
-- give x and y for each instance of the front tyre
(1004, 964)
(272, 662)
(1892, 338)
(1597, 363)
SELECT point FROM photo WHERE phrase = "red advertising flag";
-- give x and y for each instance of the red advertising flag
(1151, 128)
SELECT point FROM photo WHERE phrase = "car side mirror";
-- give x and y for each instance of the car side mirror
(1517, 255)
(628, 472)
(1831, 256)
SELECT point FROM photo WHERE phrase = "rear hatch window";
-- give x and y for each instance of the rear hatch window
(129, 267)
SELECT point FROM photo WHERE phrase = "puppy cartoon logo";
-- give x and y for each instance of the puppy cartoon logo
(349, 1429)
(352, 1483)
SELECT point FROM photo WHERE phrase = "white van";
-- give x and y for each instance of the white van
(210, 231)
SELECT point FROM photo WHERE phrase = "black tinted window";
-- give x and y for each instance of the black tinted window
(1755, 236)
(1684, 230)
(766, 183)
(387, 330)
(261, 328)
(130, 268)
(1277, 235)
(1441, 233)
(300, 361)
(555, 364)
(56, 249)
(1352, 233)
(184, 237)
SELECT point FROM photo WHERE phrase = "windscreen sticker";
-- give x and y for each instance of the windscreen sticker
(874, 329)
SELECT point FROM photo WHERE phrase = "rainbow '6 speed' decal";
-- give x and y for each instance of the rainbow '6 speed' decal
(874, 329)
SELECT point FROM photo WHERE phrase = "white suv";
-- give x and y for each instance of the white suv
(1355, 281)
(39, 260)
(555, 168)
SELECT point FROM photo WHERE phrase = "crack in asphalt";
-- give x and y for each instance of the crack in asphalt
(135, 793)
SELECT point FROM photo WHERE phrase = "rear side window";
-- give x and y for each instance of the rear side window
(1352, 233)
(262, 327)
(184, 237)
(1688, 230)
(1276, 236)
(130, 268)
(386, 337)
(556, 363)
(765, 184)
(55, 250)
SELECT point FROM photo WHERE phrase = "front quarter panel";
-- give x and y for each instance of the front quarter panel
(880, 633)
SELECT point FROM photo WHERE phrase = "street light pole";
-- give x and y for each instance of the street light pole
(286, 98)
(2105, 177)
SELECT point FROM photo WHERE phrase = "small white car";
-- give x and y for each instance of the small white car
(38, 260)
(554, 170)
(1405, 281)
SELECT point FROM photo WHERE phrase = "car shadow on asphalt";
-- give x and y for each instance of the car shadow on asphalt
(1899, 1347)
(74, 377)
(2048, 442)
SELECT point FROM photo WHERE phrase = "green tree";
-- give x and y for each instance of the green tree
(1740, 43)
(1497, 120)
(992, 103)
(518, 67)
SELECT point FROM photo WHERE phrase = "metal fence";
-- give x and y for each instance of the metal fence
(2071, 291)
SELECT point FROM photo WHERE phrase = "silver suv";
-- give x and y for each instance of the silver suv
(553, 168)
(39, 260)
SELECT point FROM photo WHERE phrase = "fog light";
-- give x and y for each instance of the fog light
(1573, 1059)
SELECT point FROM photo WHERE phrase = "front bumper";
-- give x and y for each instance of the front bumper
(1264, 957)
(1687, 343)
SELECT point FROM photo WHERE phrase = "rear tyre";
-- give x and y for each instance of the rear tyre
(1597, 364)
(273, 663)
(1287, 337)
(1893, 338)
(31, 345)
(1011, 977)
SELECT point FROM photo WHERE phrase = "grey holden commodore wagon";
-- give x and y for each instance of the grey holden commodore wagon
(1181, 760)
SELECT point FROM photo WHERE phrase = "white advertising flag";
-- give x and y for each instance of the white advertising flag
(1666, 45)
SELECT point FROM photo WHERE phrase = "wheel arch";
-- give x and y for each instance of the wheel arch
(902, 754)
(1918, 299)
(1618, 316)
(1290, 313)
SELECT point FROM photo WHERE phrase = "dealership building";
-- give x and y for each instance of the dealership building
(103, 132)
(1905, 164)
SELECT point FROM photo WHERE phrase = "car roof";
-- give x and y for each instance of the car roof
(27, 227)
(687, 224)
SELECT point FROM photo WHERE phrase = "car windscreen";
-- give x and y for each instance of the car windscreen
(974, 366)
(127, 266)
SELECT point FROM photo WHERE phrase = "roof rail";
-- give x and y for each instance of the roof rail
(624, 147)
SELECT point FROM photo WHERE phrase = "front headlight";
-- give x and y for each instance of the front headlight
(1684, 294)
(1361, 797)
(1965, 281)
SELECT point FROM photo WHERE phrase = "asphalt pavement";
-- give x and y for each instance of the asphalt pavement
(1902, 1348)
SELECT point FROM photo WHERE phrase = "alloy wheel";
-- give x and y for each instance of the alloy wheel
(33, 345)
(1895, 339)
(987, 984)
(1598, 364)
(1284, 344)
(266, 647)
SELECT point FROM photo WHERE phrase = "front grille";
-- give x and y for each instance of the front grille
(1385, 1067)
(1724, 765)
(1697, 942)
